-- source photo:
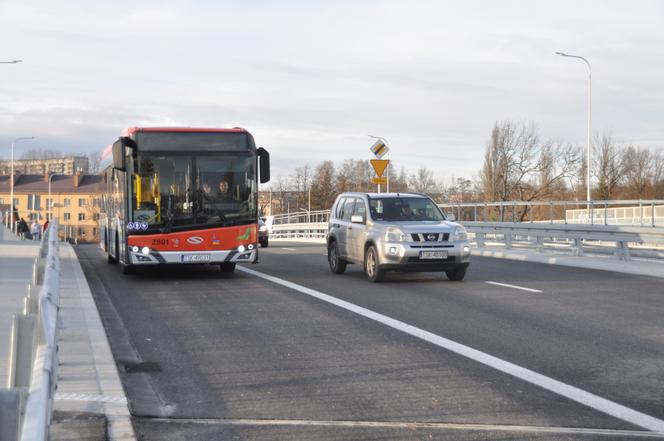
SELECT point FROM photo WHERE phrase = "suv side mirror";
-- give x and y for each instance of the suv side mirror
(357, 219)
(451, 217)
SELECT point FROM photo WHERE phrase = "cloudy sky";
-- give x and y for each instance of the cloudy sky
(312, 79)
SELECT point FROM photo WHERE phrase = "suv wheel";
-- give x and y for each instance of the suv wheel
(337, 265)
(456, 274)
(371, 268)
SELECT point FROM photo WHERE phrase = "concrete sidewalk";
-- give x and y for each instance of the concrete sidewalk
(90, 403)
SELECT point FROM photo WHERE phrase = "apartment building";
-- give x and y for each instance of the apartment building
(68, 165)
(74, 200)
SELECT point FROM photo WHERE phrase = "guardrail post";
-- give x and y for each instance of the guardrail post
(622, 250)
(605, 209)
(540, 244)
(640, 213)
(21, 350)
(479, 238)
(652, 214)
(508, 240)
(11, 404)
(577, 247)
(551, 212)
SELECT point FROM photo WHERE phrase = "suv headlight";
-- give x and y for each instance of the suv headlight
(459, 233)
(394, 234)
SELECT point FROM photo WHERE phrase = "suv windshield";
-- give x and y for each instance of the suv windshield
(404, 209)
(173, 191)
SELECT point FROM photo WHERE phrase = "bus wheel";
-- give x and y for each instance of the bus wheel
(227, 267)
(111, 259)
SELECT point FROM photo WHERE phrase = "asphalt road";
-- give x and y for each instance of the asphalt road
(205, 355)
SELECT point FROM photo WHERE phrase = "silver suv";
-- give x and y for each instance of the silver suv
(395, 231)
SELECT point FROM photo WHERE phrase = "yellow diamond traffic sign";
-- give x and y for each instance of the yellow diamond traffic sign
(379, 148)
(379, 166)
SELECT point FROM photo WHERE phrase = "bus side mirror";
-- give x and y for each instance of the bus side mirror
(119, 159)
(264, 165)
(119, 152)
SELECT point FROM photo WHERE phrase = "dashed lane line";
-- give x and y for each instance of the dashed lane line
(289, 249)
(412, 425)
(507, 285)
(558, 387)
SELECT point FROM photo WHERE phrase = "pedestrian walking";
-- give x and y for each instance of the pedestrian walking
(35, 230)
(22, 229)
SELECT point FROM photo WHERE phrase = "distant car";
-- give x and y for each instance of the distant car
(395, 232)
(262, 233)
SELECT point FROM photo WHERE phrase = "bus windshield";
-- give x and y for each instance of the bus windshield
(175, 192)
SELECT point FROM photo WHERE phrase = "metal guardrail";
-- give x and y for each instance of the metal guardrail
(574, 235)
(611, 212)
(299, 230)
(26, 407)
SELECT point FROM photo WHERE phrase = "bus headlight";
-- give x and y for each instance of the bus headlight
(240, 249)
(135, 249)
(146, 251)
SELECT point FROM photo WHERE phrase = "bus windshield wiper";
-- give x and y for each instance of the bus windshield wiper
(169, 224)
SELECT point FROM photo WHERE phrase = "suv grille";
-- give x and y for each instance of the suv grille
(430, 237)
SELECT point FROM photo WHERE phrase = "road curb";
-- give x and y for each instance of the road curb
(108, 397)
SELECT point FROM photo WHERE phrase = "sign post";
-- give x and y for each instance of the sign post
(380, 149)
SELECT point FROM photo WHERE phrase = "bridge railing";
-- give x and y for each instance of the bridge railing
(610, 212)
(26, 406)
(552, 223)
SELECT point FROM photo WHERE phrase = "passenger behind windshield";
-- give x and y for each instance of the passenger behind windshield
(404, 209)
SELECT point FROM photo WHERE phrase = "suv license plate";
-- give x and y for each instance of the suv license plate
(195, 258)
(433, 254)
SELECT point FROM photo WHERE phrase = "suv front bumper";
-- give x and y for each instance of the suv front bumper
(406, 256)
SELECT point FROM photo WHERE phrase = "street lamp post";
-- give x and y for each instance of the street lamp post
(387, 178)
(11, 62)
(562, 54)
(50, 200)
(11, 178)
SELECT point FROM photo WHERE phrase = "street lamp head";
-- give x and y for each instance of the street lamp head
(562, 54)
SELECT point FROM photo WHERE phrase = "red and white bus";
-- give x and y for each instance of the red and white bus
(180, 196)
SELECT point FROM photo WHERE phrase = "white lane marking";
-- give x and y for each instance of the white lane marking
(411, 425)
(289, 249)
(573, 393)
(522, 288)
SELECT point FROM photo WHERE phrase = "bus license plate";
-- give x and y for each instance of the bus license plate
(195, 258)
(433, 254)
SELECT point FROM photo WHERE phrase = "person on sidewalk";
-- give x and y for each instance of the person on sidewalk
(35, 230)
(22, 229)
(45, 226)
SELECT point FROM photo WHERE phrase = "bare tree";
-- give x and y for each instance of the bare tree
(638, 168)
(94, 160)
(608, 167)
(658, 174)
(422, 181)
(323, 191)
